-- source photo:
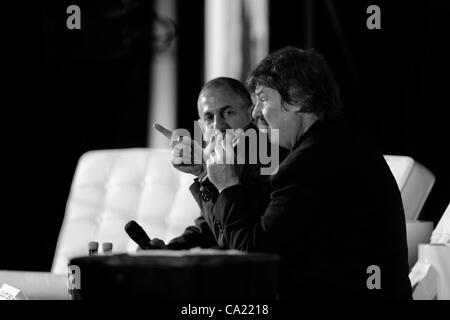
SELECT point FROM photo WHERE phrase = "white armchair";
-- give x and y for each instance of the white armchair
(111, 187)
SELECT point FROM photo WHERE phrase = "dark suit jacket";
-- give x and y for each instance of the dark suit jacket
(334, 211)
(207, 232)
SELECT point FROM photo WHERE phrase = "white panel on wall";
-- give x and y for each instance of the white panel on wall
(236, 36)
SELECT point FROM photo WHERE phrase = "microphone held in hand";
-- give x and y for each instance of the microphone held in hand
(138, 235)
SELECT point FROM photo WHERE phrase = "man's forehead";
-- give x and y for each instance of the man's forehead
(206, 99)
(218, 98)
(260, 89)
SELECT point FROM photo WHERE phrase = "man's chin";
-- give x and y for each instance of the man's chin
(264, 127)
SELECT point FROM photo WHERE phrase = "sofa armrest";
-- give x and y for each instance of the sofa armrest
(417, 232)
(424, 281)
(37, 285)
(438, 255)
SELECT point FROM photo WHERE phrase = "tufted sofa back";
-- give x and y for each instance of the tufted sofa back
(111, 187)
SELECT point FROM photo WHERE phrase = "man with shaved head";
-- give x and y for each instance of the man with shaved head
(223, 104)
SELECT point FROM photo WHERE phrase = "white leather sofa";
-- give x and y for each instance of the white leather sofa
(111, 187)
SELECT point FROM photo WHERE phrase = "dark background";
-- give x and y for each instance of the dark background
(70, 91)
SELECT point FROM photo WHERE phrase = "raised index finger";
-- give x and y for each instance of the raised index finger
(166, 132)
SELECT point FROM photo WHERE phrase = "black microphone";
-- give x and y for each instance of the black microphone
(138, 235)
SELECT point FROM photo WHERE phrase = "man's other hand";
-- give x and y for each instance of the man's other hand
(156, 244)
(187, 154)
(222, 169)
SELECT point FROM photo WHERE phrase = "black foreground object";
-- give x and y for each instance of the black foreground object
(164, 275)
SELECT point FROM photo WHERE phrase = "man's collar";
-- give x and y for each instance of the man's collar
(315, 129)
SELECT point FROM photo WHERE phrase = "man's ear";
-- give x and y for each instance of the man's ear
(290, 107)
(250, 111)
(297, 108)
(201, 125)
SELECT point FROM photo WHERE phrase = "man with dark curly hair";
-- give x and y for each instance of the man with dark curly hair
(335, 215)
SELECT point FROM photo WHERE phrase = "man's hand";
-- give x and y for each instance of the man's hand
(187, 154)
(156, 244)
(222, 168)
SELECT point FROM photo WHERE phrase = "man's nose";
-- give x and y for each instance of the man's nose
(256, 113)
(219, 123)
